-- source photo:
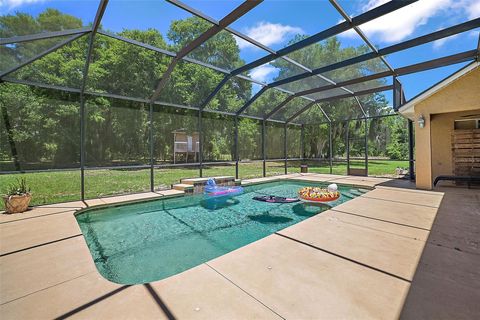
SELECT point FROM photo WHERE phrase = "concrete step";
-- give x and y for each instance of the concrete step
(194, 181)
(187, 188)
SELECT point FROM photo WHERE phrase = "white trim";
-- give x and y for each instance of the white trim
(407, 109)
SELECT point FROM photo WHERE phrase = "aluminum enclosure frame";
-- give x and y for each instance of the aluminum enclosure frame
(349, 23)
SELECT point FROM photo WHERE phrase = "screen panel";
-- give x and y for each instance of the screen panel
(190, 84)
(125, 69)
(218, 137)
(294, 146)
(40, 131)
(387, 146)
(14, 54)
(117, 147)
(289, 109)
(38, 17)
(63, 67)
(312, 82)
(357, 70)
(218, 52)
(274, 139)
(276, 16)
(316, 148)
(331, 50)
(164, 25)
(40, 128)
(275, 70)
(249, 139)
(232, 96)
(266, 102)
(175, 135)
(274, 168)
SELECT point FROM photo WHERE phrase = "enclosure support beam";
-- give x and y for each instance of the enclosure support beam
(330, 146)
(377, 12)
(244, 37)
(252, 99)
(278, 107)
(285, 146)
(302, 141)
(459, 28)
(330, 32)
(82, 146)
(43, 54)
(357, 29)
(397, 94)
(172, 54)
(215, 91)
(366, 136)
(264, 156)
(44, 35)
(418, 67)
(236, 147)
(358, 93)
(200, 143)
(152, 162)
(96, 24)
(347, 146)
(411, 161)
(239, 11)
(366, 147)
(11, 141)
(360, 106)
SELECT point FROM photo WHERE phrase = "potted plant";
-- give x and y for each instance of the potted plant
(18, 197)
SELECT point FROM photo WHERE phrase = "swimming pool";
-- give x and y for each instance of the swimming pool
(147, 241)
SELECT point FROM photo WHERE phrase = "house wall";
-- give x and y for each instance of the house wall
(433, 155)
(442, 127)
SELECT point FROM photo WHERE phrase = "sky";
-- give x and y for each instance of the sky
(275, 22)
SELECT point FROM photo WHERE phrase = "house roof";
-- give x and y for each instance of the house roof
(407, 110)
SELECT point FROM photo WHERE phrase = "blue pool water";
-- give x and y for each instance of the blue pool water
(147, 241)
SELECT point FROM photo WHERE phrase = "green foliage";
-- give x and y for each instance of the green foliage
(19, 188)
(397, 149)
(249, 132)
(44, 124)
(52, 187)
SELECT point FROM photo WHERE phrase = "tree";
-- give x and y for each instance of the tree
(45, 123)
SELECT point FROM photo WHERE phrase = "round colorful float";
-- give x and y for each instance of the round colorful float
(318, 194)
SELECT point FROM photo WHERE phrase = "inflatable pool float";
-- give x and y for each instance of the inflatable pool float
(317, 194)
(214, 191)
(274, 199)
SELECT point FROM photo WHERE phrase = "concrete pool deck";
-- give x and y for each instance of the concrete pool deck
(357, 260)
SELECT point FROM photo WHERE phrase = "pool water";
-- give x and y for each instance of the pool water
(151, 240)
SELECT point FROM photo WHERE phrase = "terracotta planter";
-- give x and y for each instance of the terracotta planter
(17, 204)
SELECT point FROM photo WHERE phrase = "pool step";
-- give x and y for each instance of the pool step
(355, 192)
(348, 194)
(218, 180)
(187, 188)
(198, 184)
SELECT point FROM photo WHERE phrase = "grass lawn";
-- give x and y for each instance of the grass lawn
(62, 186)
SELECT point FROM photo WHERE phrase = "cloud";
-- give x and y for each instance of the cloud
(268, 34)
(437, 44)
(10, 4)
(402, 23)
(472, 8)
(263, 73)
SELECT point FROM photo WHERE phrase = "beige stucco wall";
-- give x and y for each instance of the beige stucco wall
(433, 155)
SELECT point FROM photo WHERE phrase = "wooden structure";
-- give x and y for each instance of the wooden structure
(466, 152)
(185, 144)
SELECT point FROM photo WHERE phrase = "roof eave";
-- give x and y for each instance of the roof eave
(408, 109)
